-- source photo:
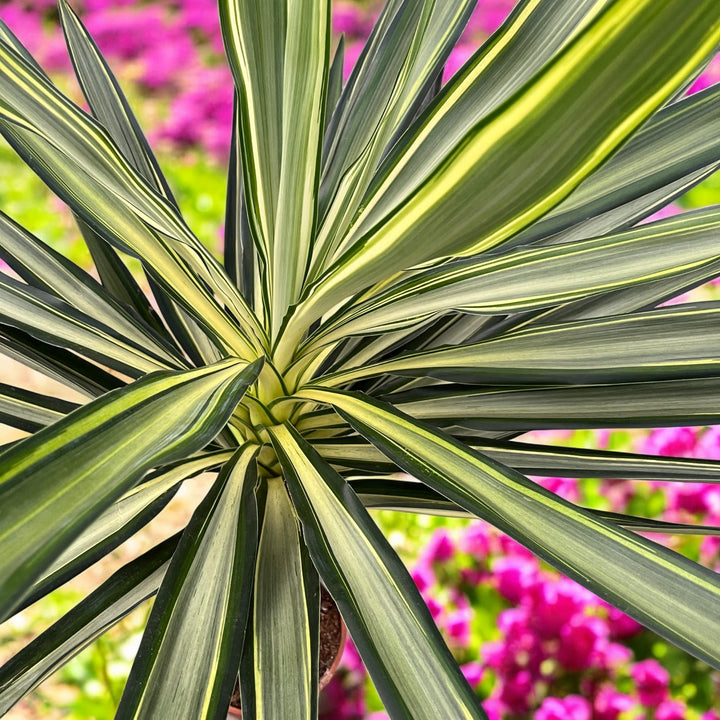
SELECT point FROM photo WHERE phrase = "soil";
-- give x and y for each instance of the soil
(332, 639)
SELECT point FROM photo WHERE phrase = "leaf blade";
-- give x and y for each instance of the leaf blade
(47, 480)
(395, 635)
(648, 581)
(196, 634)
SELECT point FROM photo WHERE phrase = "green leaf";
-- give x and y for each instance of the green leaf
(409, 496)
(116, 278)
(52, 320)
(254, 34)
(281, 647)
(106, 606)
(666, 344)
(534, 33)
(44, 268)
(28, 410)
(669, 403)
(107, 100)
(78, 160)
(121, 520)
(110, 106)
(401, 59)
(675, 150)
(643, 297)
(482, 194)
(190, 653)
(240, 257)
(65, 367)
(335, 80)
(49, 481)
(664, 591)
(534, 459)
(412, 668)
(540, 277)
(305, 75)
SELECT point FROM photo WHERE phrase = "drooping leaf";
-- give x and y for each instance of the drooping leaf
(411, 496)
(54, 362)
(121, 520)
(30, 411)
(104, 607)
(54, 321)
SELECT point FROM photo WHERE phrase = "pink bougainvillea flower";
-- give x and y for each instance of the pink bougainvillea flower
(580, 641)
(670, 441)
(571, 707)
(441, 548)
(473, 672)
(651, 680)
(514, 576)
(458, 57)
(609, 704)
(671, 710)
(708, 78)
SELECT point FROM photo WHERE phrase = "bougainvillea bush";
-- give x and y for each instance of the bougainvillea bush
(415, 274)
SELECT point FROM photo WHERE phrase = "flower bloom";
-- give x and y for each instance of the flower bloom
(651, 680)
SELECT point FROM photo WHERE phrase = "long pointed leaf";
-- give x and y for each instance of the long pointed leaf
(65, 367)
(111, 602)
(121, 520)
(460, 203)
(669, 403)
(537, 278)
(188, 660)
(76, 157)
(41, 266)
(661, 345)
(306, 65)
(54, 321)
(49, 487)
(403, 55)
(663, 590)
(357, 454)
(677, 148)
(411, 496)
(409, 662)
(28, 410)
(285, 619)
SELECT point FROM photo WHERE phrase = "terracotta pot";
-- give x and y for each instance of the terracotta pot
(333, 635)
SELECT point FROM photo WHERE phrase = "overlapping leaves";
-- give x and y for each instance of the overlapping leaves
(461, 259)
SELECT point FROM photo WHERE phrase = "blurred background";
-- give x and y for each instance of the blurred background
(534, 644)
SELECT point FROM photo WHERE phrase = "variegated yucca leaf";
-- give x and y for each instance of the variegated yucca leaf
(415, 274)
(626, 569)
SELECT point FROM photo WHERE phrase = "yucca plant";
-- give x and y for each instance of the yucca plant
(414, 276)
